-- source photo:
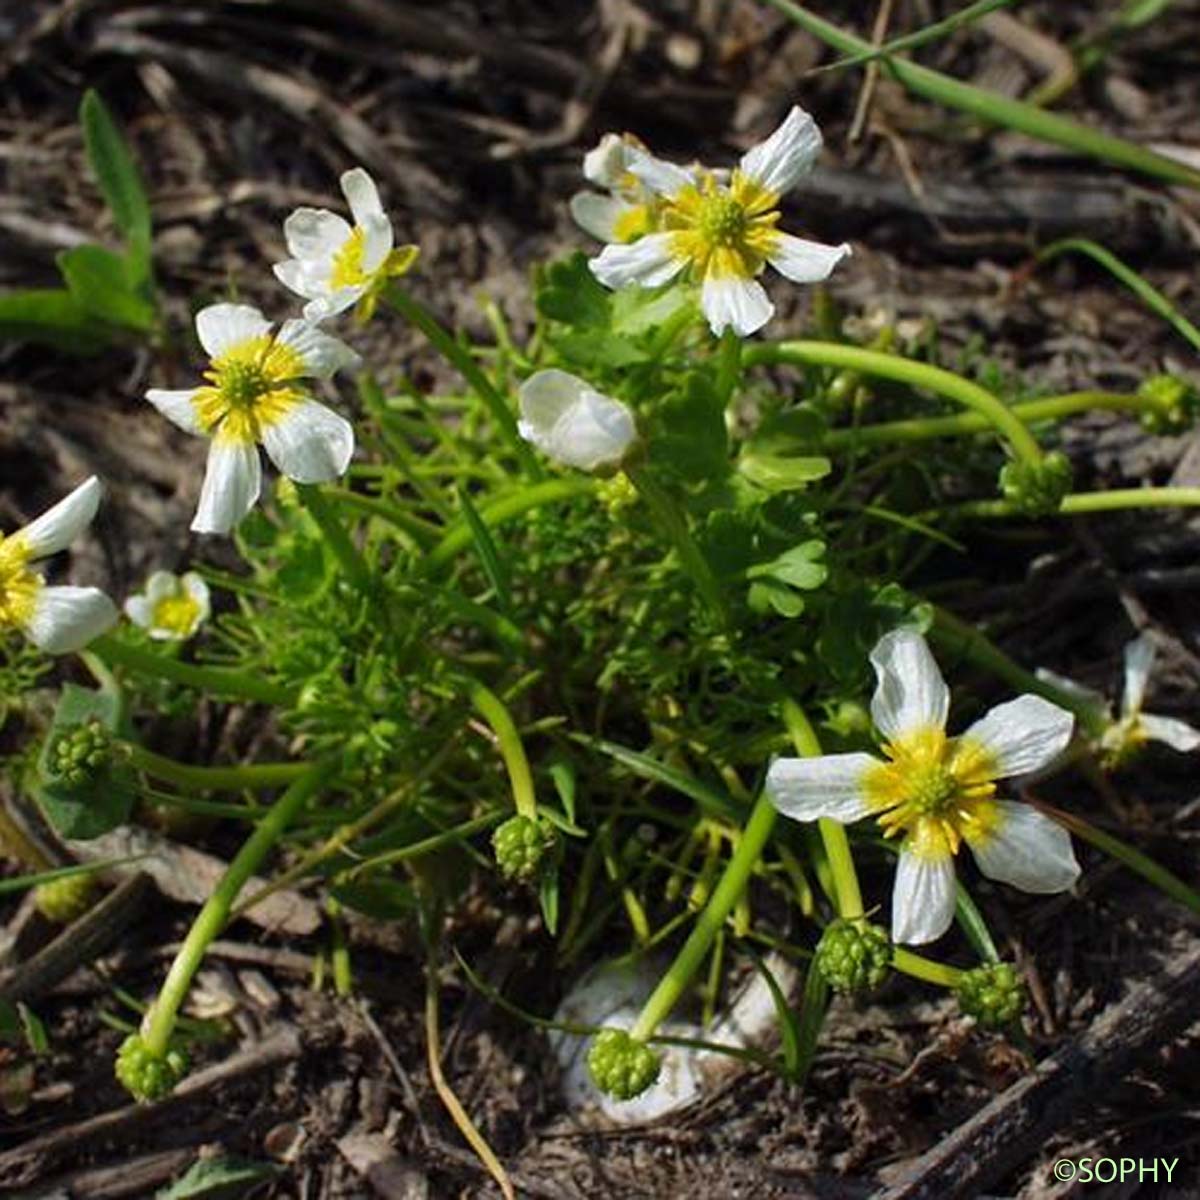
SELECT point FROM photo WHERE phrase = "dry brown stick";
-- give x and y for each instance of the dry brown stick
(78, 944)
(1019, 1120)
(133, 1177)
(18, 1167)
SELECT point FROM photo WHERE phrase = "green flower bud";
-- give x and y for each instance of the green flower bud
(993, 994)
(148, 1077)
(80, 755)
(621, 1067)
(1037, 488)
(1176, 404)
(64, 900)
(525, 847)
(854, 956)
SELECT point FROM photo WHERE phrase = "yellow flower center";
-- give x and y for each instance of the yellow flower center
(251, 388)
(634, 222)
(18, 584)
(177, 614)
(347, 270)
(723, 231)
(934, 791)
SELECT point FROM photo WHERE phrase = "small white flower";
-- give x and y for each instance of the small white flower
(56, 619)
(630, 209)
(1126, 734)
(172, 607)
(723, 233)
(937, 791)
(572, 424)
(253, 395)
(334, 265)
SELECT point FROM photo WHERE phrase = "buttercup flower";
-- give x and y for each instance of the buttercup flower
(254, 394)
(724, 233)
(333, 265)
(936, 792)
(172, 607)
(56, 619)
(571, 423)
(1126, 734)
(630, 208)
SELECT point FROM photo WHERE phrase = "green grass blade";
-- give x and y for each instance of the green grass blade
(116, 172)
(485, 547)
(999, 110)
(51, 317)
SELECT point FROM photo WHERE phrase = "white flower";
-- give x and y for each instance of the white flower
(724, 233)
(172, 607)
(254, 395)
(571, 423)
(630, 208)
(56, 619)
(937, 791)
(333, 265)
(1126, 734)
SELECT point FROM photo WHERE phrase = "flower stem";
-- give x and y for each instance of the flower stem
(189, 776)
(223, 681)
(496, 714)
(416, 314)
(334, 532)
(1082, 503)
(729, 365)
(160, 1018)
(904, 370)
(925, 968)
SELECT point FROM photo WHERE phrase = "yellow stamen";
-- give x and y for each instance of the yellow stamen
(179, 614)
(723, 231)
(250, 389)
(347, 270)
(19, 585)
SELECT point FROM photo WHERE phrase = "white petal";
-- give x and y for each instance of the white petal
(310, 443)
(140, 611)
(297, 276)
(315, 233)
(323, 355)
(178, 408)
(829, 786)
(1179, 735)
(910, 693)
(362, 195)
(160, 585)
(595, 431)
(58, 527)
(67, 618)
(545, 396)
(647, 262)
(664, 178)
(1022, 736)
(607, 162)
(1027, 850)
(329, 305)
(1139, 660)
(922, 897)
(737, 304)
(232, 482)
(377, 242)
(788, 153)
(222, 326)
(803, 261)
(597, 214)
(197, 589)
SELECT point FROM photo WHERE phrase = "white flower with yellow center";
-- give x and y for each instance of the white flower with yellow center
(172, 607)
(56, 619)
(722, 233)
(334, 265)
(1129, 732)
(573, 424)
(630, 209)
(936, 792)
(254, 394)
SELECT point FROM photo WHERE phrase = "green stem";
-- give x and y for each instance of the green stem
(512, 750)
(1051, 408)
(729, 366)
(159, 1021)
(925, 968)
(903, 370)
(423, 533)
(223, 681)
(672, 522)
(833, 833)
(353, 564)
(1082, 503)
(416, 314)
(189, 776)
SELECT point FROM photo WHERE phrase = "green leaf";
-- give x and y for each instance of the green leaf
(562, 774)
(693, 443)
(767, 594)
(105, 286)
(485, 547)
(219, 1179)
(116, 173)
(813, 1007)
(51, 317)
(548, 901)
(775, 473)
(567, 291)
(798, 566)
(378, 897)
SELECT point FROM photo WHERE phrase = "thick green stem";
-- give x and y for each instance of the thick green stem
(673, 524)
(417, 315)
(1082, 503)
(925, 968)
(904, 370)
(159, 1021)
(496, 714)
(189, 776)
(729, 366)
(221, 681)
